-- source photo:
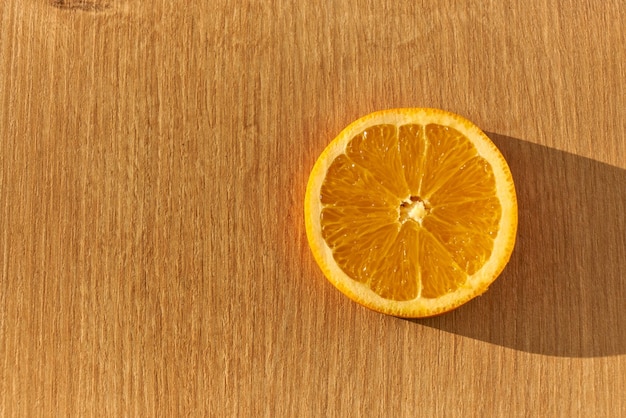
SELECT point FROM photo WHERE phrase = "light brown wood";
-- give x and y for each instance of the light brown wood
(153, 160)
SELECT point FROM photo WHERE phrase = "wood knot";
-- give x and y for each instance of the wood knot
(82, 5)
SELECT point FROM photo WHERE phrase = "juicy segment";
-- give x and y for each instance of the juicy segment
(410, 211)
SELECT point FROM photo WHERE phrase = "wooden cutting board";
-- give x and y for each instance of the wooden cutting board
(153, 160)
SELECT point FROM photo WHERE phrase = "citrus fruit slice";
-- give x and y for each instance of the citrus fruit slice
(411, 212)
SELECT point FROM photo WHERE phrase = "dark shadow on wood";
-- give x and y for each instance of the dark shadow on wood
(563, 292)
(82, 5)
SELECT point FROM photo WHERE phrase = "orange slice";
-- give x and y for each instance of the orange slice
(411, 212)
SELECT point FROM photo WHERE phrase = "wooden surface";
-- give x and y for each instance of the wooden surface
(153, 161)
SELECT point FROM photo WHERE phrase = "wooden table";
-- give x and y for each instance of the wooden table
(153, 161)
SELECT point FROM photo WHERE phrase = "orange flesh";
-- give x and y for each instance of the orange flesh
(410, 211)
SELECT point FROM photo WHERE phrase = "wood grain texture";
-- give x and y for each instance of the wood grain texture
(153, 160)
